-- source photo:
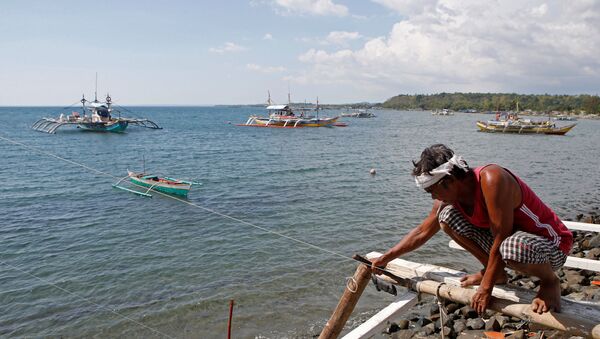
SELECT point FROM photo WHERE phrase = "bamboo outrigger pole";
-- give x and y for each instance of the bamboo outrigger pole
(348, 301)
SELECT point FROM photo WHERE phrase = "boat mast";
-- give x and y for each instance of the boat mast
(83, 104)
(96, 89)
(317, 107)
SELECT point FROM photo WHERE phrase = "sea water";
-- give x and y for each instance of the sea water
(272, 227)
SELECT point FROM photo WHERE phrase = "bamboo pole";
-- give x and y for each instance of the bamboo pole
(348, 301)
(560, 321)
(596, 332)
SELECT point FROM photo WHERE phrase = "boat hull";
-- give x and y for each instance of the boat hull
(523, 129)
(113, 126)
(169, 187)
(293, 122)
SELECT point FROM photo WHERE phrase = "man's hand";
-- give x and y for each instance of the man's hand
(377, 264)
(481, 299)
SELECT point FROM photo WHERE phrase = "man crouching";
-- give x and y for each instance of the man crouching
(495, 216)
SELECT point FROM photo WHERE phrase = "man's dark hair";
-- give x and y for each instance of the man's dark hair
(432, 157)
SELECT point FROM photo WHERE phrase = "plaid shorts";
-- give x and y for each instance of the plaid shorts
(520, 246)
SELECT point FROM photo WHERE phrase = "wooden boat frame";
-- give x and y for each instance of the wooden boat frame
(577, 318)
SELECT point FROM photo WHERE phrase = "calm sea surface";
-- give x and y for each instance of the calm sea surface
(82, 259)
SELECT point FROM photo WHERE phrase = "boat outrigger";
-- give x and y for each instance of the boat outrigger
(282, 116)
(95, 116)
(156, 183)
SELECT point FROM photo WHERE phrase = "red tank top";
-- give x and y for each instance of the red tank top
(532, 215)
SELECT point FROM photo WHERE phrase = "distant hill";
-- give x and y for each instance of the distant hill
(590, 104)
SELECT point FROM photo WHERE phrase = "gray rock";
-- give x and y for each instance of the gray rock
(573, 277)
(459, 325)
(475, 323)
(392, 328)
(423, 322)
(429, 329)
(489, 313)
(403, 324)
(501, 320)
(493, 325)
(403, 334)
(594, 241)
(594, 253)
(578, 296)
(434, 309)
(446, 331)
(574, 288)
(468, 312)
(450, 308)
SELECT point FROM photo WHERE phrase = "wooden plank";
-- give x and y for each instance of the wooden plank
(572, 262)
(583, 263)
(411, 270)
(582, 226)
(379, 321)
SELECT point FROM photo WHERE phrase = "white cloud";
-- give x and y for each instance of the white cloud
(539, 11)
(227, 48)
(312, 7)
(265, 69)
(472, 45)
(268, 36)
(341, 37)
(407, 7)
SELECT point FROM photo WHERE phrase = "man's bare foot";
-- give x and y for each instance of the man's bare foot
(548, 297)
(475, 279)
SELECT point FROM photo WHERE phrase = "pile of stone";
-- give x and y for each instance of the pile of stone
(463, 322)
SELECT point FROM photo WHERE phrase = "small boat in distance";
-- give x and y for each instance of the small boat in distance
(562, 117)
(157, 183)
(359, 113)
(445, 111)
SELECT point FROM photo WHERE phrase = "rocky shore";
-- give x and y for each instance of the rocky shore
(461, 321)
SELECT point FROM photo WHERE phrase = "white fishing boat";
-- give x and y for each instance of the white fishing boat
(96, 115)
(282, 116)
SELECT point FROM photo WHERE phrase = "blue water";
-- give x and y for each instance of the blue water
(82, 259)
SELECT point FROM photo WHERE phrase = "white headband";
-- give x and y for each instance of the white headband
(425, 180)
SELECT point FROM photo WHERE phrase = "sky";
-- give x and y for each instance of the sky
(341, 51)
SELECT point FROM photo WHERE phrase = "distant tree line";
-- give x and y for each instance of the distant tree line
(590, 104)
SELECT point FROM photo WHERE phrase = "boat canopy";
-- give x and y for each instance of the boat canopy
(278, 107)
(96, 104)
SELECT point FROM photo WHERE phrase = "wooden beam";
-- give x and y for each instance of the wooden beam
(582, 226)
(573, 262)
(575, 317)
(352, 293)
(379, 321)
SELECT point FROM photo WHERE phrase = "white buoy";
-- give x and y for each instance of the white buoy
(373, 171)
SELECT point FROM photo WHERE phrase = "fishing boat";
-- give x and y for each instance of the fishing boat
(359, 113)
(445, 111)
(523, 126)
(95, 116)
(282, 116)
(562, 117)
(157, 183)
